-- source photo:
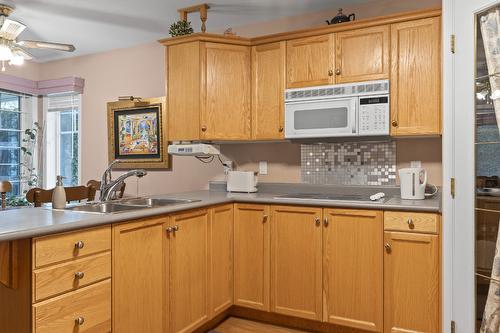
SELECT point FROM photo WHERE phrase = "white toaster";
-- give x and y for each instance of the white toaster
(241, 181)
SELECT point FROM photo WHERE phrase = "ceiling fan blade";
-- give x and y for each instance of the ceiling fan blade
(25, 54)
(11, 29)
(33, 44)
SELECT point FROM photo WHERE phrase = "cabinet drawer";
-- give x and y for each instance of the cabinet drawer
(411, 222)
(72, 245)
(92, 305)
(55, 280)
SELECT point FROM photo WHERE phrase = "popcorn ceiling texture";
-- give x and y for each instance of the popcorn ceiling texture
(349, 163)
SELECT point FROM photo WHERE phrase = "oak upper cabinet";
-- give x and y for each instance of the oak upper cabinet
(416, 77)
(310, 61)
(251, 256)
(140, 272)
(296, 261)
(362, 54)
(188, 246)
(208, 89)
(353, 268)
(221, 258)
(411, 281)
(268, 86)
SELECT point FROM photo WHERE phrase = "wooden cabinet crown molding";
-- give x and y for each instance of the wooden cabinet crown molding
(308, 32)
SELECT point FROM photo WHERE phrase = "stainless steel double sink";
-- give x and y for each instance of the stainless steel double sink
(126, 205)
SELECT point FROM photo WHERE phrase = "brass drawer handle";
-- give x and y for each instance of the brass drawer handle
(169, 230)
(338, 71)
(175, 228)
(79, 321)
(264, 218)
(317, 220)
(394, 123)
(203, 128)
(79, 275)
(79, 245)
(330, 73)
(325, 222)
(280, 129)
(411, 225)
(388, 248)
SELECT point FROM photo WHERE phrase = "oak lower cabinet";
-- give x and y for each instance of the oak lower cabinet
(208, 91)
(140, 264)
(411, 279)
(416, 77)
(252, 256)
(188, 247)
(353, 268)
(268, 88)
(296, 261)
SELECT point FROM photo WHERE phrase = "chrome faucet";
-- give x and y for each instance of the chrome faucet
(109, 186)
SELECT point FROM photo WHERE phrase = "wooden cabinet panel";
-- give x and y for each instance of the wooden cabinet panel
(268, 87)
(411, 283)
(92, 304)
(61, 247)
(411, 222)
(221, 258)
(225, 112)
(58, 279)
(362, 54)
(296, 260)
(188, 271)
(353, 268)
(251, 256)
(139, 276)
(310, 61)
(416, 77)
(183, 91)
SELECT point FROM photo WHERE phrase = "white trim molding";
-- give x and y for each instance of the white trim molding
(43, 87)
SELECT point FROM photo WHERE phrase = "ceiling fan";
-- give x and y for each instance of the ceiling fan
(14, 51)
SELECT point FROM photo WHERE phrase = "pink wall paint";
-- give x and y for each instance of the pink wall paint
(137, 71)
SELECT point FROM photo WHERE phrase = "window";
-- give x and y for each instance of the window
(62, 139)
(15, 114)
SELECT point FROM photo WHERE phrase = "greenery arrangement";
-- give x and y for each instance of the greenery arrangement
(29, 174)
(180, 28)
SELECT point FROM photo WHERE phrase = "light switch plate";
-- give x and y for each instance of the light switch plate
(263, 167)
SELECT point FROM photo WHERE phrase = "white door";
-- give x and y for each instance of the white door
(459, 149)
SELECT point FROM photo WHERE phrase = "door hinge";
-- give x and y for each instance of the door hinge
(452, 187)
(452, 326)
(452, 44)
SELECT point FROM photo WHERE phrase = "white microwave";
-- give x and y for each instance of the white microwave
(355, 109)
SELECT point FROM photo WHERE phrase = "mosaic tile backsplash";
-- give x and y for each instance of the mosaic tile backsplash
(349, 163)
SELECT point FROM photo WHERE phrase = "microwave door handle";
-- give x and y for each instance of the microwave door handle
(354, 105)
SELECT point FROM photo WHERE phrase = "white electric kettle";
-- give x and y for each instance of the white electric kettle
(413, 182)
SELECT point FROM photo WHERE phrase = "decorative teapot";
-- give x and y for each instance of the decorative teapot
(340, 18)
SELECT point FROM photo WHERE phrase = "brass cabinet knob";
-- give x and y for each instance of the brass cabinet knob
(169, 230)
(317, 220)
(394, 123)
(388, 247)
(265, 218)
(175, 228)
(325, 221)
(79, 245)
(204, 128)
(330, 73)
(338, 71)
(79, 275)
(280, 129)
(79, 321)
(411, 225)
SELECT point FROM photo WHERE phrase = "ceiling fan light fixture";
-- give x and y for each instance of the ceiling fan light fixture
(5, 52)
(16, 59)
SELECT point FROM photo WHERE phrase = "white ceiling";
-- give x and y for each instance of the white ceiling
(100, 25)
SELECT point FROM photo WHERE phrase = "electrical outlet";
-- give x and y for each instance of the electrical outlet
(228, 166)
(263, 167)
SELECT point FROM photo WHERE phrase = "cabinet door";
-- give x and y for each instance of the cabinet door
(310, 61)
(225, 112)
(140, 271)
(296, 260)
(416, 77)
(221, 258)
(362, 55)
(353, 268)
(188, 270)
(411, 283)
(183, 91)
(268, 86)
(251, 256)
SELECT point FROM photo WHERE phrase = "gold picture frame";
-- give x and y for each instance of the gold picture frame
(137, 134)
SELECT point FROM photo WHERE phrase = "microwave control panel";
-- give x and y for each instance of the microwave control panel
(374, 114)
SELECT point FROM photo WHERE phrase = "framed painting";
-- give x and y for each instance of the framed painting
(136, 134)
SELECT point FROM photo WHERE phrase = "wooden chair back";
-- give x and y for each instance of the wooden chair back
(118, 193)
(38, 196)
